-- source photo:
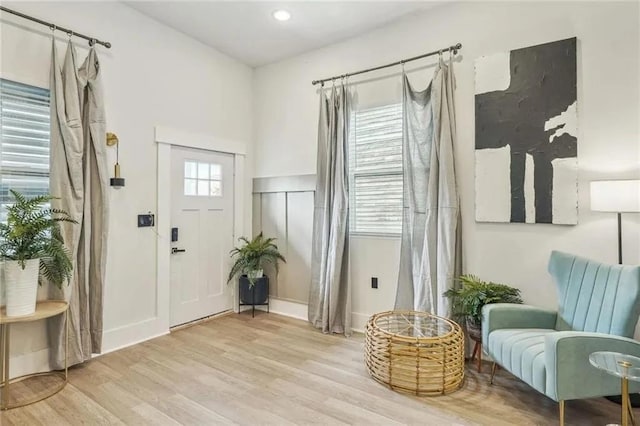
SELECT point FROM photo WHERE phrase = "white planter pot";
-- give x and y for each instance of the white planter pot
(21, 286)
(255, 274)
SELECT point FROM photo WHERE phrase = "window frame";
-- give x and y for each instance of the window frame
(31, 106)
(197, 179)
(396, 170)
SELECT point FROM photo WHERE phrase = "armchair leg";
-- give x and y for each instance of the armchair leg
(493, 372)
(561, 407)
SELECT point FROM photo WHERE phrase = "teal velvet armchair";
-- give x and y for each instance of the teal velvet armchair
(598, 310)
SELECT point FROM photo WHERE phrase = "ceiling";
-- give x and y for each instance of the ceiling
(248, 32)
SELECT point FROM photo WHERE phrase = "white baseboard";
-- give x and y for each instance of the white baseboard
(359, 321)
(289, 308)
(112, 340)
(28, 363)
(301, 310)
(131, 334)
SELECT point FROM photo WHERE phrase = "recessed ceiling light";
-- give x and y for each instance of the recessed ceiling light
(282, 15)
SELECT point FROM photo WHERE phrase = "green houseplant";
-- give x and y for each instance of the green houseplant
(32, 247)
(250, 259)
(468, 299)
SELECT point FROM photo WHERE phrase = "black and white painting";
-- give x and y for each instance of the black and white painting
(526, 135)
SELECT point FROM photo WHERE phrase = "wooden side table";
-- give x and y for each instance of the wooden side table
(44, 309)
(477, 352)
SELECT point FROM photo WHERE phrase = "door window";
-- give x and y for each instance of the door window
(202, 179)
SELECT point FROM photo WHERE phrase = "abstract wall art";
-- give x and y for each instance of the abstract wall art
(526, 135)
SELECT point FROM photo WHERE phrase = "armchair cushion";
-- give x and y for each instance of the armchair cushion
(497, 316)
(521, 351)
(596, 297)
(570, 375)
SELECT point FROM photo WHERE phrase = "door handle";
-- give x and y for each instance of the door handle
(175, 250)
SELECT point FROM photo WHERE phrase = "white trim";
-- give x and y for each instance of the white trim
(163, 245)
(301, 311)
(165, 137)
(295, 183)
(28, 363)
(24, 79)
(359, 321)
(123, 337)
(238, 210)
(112, 340)
(132, 334)
(172, 136)
(375, 236)
(288, 308)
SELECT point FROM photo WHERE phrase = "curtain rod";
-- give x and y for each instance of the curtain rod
(453, 49)
(54, 27)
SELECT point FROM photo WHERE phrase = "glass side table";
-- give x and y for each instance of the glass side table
(627, 367)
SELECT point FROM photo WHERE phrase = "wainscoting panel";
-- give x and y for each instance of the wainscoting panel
(297, 272)
(273, 222)
(283, 208)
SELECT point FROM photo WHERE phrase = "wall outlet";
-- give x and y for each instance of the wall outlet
(145, 220)
(374, 282)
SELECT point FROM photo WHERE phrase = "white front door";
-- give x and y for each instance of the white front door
(202, 227)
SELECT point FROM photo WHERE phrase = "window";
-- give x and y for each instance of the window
(202, 179)
(375, 170)
(24, 141)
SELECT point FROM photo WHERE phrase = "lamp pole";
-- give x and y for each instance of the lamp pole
(619, 238)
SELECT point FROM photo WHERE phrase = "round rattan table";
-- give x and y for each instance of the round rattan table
(415, 352)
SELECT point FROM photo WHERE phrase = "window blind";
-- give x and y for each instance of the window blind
(375, 170)
(24, 141)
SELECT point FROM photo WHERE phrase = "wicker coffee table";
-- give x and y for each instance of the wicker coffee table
(415, 352)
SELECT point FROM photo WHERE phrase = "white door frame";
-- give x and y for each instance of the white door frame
(165, 137)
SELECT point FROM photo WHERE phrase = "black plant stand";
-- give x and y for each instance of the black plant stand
(253, 300)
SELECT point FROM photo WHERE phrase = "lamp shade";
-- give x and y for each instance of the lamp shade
(621, 196)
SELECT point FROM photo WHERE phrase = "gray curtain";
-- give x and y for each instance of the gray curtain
(430, 250)
(79, 177)
(330, 293)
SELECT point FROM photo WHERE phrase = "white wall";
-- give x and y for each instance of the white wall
(152, 76)
(286, 107)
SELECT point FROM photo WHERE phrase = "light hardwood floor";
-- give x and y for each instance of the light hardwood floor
(280, 371)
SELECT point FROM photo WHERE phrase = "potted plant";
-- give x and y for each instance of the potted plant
(31, 247)
(467, 300)
(250, 260)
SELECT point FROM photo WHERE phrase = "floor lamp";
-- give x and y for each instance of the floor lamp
(616, 196)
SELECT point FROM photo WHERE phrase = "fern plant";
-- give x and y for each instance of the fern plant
(254, 255)
(32, 231)
(467, 300)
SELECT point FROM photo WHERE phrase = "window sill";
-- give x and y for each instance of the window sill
(366, 235)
